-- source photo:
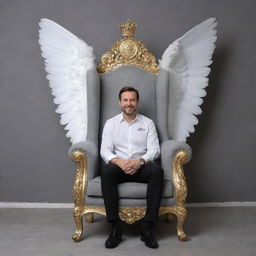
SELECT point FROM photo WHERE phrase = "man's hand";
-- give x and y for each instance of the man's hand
(123, 164)
(128, 166)
(134, 166)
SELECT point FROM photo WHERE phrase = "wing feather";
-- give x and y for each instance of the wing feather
(67, 60)
(187, 60)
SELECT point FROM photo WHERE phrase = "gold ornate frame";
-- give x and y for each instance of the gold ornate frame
(129, 214)
(129, 51)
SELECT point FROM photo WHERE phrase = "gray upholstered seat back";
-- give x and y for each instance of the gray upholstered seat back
(112, 82)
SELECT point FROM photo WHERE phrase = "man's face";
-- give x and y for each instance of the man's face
(128, 102)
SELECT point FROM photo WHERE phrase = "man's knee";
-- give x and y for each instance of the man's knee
(156, 171)
(109, 171)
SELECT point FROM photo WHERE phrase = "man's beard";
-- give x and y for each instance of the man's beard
(129, 112)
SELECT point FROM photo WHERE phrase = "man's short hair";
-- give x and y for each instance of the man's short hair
(129, 89)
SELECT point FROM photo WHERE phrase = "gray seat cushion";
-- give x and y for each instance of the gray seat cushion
(128, 189)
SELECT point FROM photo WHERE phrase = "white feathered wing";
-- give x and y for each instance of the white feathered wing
(67, 60)
(187, 60)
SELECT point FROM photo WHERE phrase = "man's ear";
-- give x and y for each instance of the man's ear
(119, 103)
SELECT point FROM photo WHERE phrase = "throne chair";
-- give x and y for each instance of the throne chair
(164, 92)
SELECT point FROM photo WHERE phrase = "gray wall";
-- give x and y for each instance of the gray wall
(34, 165)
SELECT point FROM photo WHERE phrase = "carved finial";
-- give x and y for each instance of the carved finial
(128, 51)
(128, 28)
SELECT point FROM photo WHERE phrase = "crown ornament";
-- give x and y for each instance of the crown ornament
(128, 51)
(128, 28)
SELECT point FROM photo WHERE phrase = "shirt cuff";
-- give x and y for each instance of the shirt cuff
(146, 158)
(109, 157)
(150, 157)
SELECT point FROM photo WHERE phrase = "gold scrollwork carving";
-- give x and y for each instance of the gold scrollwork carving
(131, 214)
(128, 51)
(80, 181)
(179, 181)
(180, 191)
(79, 193)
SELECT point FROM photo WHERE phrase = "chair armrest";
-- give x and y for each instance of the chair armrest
(90, 150)
(169, 148)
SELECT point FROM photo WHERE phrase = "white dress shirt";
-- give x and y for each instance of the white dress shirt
(137, 139)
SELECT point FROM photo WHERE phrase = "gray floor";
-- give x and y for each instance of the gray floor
(212, 231)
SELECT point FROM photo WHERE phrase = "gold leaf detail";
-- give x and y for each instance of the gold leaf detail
(128, 51)
(131, 215)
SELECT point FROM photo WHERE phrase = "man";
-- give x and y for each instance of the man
(129, 146)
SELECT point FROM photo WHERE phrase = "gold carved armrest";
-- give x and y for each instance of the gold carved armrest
(179, 181)
(174, 154)
(80, 182)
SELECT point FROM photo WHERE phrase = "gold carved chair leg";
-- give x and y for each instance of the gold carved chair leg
(169, 217)
(181, 214)
(78, 217)
(89, 217)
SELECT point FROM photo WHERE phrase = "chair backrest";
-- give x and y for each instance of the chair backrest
(129, 63)
(112, 82)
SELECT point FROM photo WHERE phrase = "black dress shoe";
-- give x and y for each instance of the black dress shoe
(114, 238)
(148, 238)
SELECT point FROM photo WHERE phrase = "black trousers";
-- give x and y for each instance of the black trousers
(112, 175)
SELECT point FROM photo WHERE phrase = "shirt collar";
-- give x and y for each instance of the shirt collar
(121, 117)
